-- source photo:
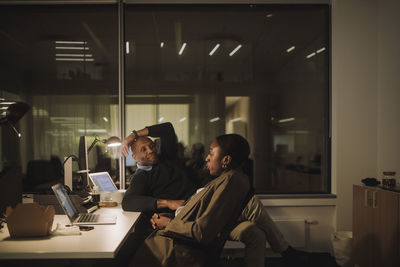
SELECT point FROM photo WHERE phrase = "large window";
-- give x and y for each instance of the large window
(62, 62)
(261, 71)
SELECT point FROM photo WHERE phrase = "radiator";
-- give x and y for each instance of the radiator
(294, 231)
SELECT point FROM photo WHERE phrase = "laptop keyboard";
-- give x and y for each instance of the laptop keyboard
(88, 218)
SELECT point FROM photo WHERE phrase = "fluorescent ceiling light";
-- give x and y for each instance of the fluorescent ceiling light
(74, 59)
(74, 55)
(311, 55)
(161, 119)
(73, 47)
(269, 15)
(235, 119)
(70, 42)
(162, 44)
(127, 48)
(286, 120)
(214, 49)
(290, 49)
(92, 130)
(182, 119)
(7, 103)
(235, 50)
(182, 48)
(321, 50)
(214, 119)
(105, 119)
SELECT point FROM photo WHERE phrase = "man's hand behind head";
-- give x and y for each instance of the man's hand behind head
(126, 144)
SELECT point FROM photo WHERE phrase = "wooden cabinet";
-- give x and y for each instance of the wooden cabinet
(376, 227)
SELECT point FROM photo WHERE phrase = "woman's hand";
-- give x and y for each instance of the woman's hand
(160, 220)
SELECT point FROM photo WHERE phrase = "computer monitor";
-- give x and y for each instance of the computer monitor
(83, 160)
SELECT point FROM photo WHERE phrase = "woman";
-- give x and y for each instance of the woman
(203, 224)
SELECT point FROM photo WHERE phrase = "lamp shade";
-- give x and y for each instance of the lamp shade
(12, 112)
(113, 141)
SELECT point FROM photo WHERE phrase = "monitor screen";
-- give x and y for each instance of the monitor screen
(103, 181)
(65, 201)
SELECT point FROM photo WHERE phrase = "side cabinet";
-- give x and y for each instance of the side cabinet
(376, 227)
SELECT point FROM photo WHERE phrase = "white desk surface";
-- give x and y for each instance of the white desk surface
(103, 241)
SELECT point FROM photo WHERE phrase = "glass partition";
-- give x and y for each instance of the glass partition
(261, 71)
(63, 62)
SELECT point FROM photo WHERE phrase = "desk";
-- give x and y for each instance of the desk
(102, 242)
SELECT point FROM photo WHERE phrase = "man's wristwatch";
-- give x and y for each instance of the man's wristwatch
(135, 133)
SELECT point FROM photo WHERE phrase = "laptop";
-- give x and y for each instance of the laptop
(103, 181)
(74, 216)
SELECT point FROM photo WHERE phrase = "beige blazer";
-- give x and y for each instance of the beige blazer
(203, 220)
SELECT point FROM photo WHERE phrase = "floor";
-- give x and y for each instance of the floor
(317, 260)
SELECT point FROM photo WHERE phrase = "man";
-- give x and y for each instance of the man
(161, 183)
(161, 180)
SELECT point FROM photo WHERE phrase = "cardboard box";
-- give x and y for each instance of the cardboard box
(29, 220)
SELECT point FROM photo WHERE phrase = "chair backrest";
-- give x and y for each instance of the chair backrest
(10, 187)
(43, 171)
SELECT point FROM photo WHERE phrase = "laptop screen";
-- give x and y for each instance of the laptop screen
(65, 201)
(103, 181)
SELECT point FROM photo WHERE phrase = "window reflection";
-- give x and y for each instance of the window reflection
(261, 71)
(242, 69)
(62, 61)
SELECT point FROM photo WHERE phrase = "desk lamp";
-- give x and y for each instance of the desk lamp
(113, 141)
(11, 113)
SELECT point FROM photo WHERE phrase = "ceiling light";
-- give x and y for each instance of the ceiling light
(214, 49)
(105, 119)
(70, 42)
(214, 119)
(127, 48)
(290, 49)
(161, 119)
(74, 59)
(74, 55)
(182, 48)
(286, 120)
(235, 119)
(321, 50)
(235, 50)
(269, 15)
(311, 55)
(182, 119)
(162, 44)
(72, 47)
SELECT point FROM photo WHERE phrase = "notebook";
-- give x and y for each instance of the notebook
(103, 181)
(74, 216)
